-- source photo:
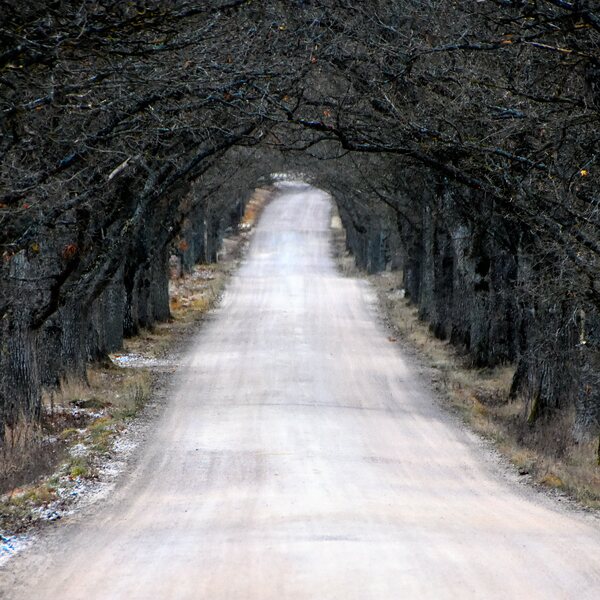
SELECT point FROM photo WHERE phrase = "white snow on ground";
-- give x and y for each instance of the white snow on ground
(140, 361)
(11, 544)
(74, 494)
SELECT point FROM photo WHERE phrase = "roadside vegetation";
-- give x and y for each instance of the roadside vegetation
(42, 472)
(46, 465)
(459, 139)
(482, 396)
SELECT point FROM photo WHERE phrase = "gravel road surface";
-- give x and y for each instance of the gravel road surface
(300, 457)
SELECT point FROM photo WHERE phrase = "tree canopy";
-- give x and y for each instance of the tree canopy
(113, 113)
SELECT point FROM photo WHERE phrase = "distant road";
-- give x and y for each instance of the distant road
(300, 458)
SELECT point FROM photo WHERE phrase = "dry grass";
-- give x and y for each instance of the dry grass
(24, 454)
(108, 392)
(547, 453)
(254, 207)
(90, 414)
(193, 295)
(35, 459)
(77, 411)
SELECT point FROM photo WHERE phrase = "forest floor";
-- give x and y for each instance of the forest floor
(90, 428)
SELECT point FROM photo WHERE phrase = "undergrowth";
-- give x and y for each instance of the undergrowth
(81, 419)
(79, 423)
(546, 452)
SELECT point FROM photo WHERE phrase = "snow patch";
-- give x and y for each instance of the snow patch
(10, 545)
(134, 360)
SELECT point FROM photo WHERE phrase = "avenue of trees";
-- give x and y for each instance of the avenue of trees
(459, 139)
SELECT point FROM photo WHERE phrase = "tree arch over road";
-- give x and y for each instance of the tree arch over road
(461, 138)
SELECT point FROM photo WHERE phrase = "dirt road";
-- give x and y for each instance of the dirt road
(301, 459)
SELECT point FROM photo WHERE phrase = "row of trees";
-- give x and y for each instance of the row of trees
(116, 120)
(460, 140)
(477, 130)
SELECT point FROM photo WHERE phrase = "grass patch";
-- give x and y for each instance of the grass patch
(552, 480)
(82, 418)
(80, 467)
(254, 207)
(546, 452)
(21, 453)
(197, 293)
(17, 510)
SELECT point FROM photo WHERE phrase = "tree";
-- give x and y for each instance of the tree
(469, 128)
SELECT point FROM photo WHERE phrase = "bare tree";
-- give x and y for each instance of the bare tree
(460, 140)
